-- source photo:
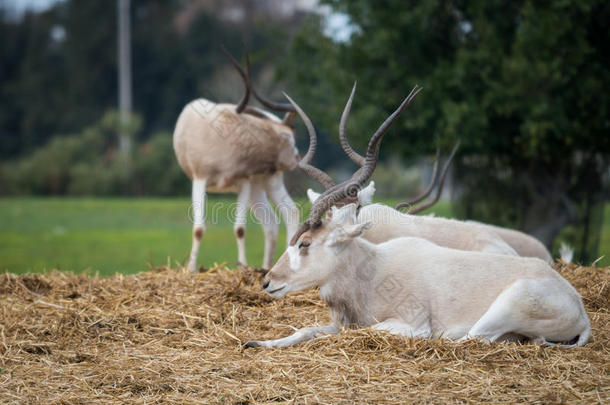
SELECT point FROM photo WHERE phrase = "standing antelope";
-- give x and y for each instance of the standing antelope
(235, 148)
(412, 287)
(389, 223)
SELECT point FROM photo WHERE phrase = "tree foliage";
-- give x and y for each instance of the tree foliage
(58, 68)
(521, 78)
(521, 83)
(88, 163)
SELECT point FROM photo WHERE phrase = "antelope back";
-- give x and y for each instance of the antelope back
(214, 142)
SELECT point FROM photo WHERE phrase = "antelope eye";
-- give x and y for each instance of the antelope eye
(304, 245)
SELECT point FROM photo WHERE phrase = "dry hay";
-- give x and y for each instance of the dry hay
(168, 336)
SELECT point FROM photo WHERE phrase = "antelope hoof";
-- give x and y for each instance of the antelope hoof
(252, 343)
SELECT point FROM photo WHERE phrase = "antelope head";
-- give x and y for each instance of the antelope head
(316, 255)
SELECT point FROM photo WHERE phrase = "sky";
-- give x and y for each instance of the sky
(337, 27)
(17, 7)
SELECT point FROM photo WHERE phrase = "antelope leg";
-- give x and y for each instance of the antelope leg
(300, 336)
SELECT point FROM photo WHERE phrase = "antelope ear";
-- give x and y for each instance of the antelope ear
(312, 195)
(365, 196)
(344, 215)
(356, 230)
(344, 234)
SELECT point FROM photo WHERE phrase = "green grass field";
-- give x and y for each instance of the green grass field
(114, 235)
(129, 235)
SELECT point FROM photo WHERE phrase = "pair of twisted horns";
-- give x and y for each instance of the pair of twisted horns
(349, 188)
(246, 77)
(291, 109)
(359, 160)
(410, 204)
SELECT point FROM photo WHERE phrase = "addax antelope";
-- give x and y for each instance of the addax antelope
(241, 149)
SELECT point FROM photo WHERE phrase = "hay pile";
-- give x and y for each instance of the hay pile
(168, 336)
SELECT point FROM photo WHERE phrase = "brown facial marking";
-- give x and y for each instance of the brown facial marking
(198, 233)
(304, 251)
(309, 233)
(240, 232)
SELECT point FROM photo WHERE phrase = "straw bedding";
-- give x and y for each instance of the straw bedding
(169, 336)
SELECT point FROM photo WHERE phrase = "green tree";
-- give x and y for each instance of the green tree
(523, 84)
(58, 72)
(58, 68)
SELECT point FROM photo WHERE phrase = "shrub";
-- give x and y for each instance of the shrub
(88, 163)
(156, 170)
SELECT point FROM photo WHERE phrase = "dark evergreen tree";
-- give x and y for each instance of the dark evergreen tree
(521, 83)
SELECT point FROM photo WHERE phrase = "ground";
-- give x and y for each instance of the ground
(168, 336)
(132, 235)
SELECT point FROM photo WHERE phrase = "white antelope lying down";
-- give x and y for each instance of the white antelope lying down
(389, 223)
(413, 287)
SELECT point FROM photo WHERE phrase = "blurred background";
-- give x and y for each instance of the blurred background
(88, 176)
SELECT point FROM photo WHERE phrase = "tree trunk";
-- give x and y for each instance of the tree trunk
(539, 199)
(545, 219)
